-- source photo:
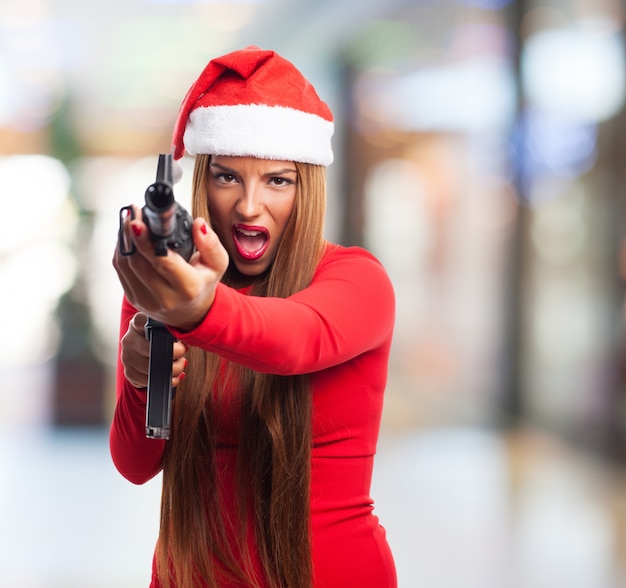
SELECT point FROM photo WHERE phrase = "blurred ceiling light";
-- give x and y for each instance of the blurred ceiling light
(36, 264)
(40, 96)
(26, 41)
(197, 2)
(576, 72)
(41, 184)
(229, 17)
(173, 51)
(222, 15)
(489, 4)
(397, 226)
(33, 48)
(31, 297)
(21, 13)
(472, 96)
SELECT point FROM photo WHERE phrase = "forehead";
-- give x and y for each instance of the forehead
(251, 163)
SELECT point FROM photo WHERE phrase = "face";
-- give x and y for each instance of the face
(250, 201)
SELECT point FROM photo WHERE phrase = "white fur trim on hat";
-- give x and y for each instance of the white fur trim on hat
(256, 130)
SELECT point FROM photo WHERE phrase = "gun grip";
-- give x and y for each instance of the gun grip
(160, 393)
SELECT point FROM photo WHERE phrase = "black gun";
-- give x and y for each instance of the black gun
(169, 225)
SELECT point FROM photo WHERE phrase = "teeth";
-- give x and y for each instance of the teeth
(249, 233)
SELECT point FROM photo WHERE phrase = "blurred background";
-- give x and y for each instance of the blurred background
(479, 154)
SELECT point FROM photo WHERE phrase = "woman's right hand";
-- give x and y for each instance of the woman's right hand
(166, 287)
(136, 354)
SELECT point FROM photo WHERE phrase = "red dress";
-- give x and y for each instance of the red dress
(338, 329)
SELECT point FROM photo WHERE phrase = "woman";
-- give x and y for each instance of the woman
(282, 351)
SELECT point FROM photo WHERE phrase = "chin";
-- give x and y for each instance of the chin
(250, 270)
(244, 275)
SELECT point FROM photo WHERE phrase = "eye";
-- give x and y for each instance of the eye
(225, 178)
(280, 181)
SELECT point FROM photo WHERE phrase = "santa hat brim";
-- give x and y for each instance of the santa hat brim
(256, 130)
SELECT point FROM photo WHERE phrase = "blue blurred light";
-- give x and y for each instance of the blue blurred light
(548, 145)
(561, 146)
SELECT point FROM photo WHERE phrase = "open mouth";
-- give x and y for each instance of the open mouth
(251, 242)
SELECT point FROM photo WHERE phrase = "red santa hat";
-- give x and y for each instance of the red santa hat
(254, 103)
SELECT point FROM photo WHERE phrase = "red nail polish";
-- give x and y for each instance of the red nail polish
(136, 229)
(186, 364)
(181, 377)
(203, 229)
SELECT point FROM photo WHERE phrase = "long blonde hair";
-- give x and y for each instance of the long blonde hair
(274, 452)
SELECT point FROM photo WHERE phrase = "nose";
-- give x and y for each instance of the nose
(249, 204)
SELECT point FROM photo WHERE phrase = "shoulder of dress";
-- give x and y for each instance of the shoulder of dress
(334, 252)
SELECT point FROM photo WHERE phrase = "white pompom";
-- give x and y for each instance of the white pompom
(177, 171)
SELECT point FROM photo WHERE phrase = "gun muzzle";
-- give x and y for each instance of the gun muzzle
(160, 210)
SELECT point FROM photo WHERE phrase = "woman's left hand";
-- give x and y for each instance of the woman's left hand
(168, 288)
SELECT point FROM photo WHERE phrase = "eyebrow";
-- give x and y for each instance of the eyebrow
(278, 172)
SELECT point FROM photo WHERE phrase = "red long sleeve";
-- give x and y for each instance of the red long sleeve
(135, 456)
(347, 310)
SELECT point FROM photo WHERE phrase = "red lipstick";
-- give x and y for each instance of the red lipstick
(251, 241)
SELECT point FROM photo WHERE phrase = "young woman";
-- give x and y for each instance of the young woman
(281, 355)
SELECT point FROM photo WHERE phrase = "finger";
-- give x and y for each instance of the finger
(138, 323)
(155, 277)
(178, 371)
(147, 246)
(140, 282)
(177, 380)
(134, 338)
(144, 260)
(210, 251)
(135, 346)
(135, 362)
(135, 354)
(179, 350)
(178, 366)
(133, 269)
(172, 281)
(135, 358)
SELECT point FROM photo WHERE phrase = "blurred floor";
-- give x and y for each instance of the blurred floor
(463, 508)
(471, 509)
